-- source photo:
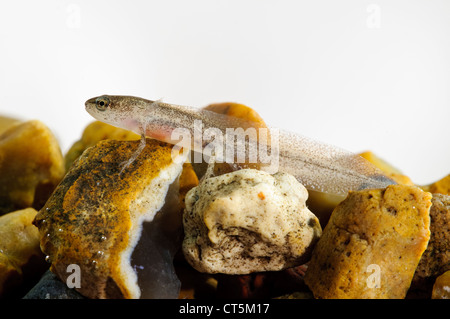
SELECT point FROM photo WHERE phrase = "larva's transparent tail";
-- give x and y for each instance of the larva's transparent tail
(318, 166)
(326, 168)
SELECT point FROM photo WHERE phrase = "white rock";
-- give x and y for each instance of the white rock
(248, 221)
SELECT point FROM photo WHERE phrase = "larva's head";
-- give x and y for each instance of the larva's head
(118, 110)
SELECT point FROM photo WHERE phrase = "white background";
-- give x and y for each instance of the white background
(363, 75)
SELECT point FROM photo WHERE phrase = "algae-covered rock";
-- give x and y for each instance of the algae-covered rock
(31, 165)
(93, 133)
(21, 259)
(248, 221)
(122, 228)
(372, 244)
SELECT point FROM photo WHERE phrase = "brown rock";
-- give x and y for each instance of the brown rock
(372, 244)
(436, 258)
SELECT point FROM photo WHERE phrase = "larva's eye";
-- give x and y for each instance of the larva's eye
(102, 103)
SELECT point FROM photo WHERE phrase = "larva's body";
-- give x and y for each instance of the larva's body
(316, 165)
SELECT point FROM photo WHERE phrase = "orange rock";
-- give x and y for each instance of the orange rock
(98, 131)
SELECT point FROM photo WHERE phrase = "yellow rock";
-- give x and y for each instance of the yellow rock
(31, 165)
(322, 204)
(441, 288)
(372, 244)
(98, 131)
(7, 122)
(442, 186)
(188, 180)
(94, 133)
(117, 228)
(21, 258)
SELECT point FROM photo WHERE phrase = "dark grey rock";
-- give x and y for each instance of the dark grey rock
(51, 287)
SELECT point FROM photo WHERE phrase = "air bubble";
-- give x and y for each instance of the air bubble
(48, 259)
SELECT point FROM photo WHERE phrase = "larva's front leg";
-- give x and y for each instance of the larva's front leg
(137, 152)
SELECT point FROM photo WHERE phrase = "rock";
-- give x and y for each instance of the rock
(441, 186)
(21, 259)
(262, 285)
(240, 111)
(195, 285)
(51, 287)
(323, 204)
(392, 172)
(93, 133)
(297, 295)
(372, 244)
(7, 122)
(436, 258)
(248, 221)
(31, 165)
(441, 288)
(122, 230)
